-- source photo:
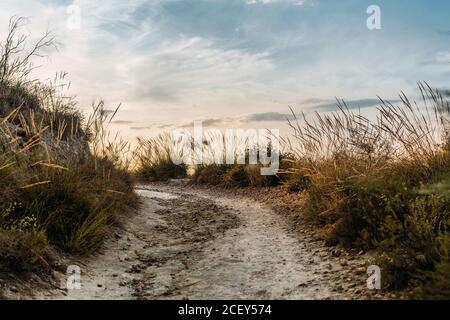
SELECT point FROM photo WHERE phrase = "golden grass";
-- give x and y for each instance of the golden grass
(64, 180)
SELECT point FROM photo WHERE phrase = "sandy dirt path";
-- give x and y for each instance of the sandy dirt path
(201, 244)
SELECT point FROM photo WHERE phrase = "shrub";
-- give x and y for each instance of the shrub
(233, 176)
(59, 208)
(209, 174)
(22, 251)
(155, 162)
(236, 177)
(437, 281)
(255, 179)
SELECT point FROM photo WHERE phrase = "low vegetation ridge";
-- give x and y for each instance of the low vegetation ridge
(379, 184)
(62, 183)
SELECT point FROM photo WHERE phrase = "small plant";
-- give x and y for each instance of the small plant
(237, 176)
(22, 252)
(211, 174)
(155, 162)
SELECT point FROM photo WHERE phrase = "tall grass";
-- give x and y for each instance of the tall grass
(64, 181)
(375, 184)
(154, 162)
(244, 169)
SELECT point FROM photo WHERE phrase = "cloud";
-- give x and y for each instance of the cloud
(314, 101)
(122, 122)
(441, 58)
(351, 104)
(444, 32)
(207, 122)
(164, 94)
(150, 127)
(267, 116)
(230, 60)
(243, 119)
(140, 128)
(164, 126)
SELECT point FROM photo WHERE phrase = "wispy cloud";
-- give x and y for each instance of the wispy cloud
(351, 104)
(171, 60)
(441, 58)
(267, 117)
(243, 119)
(208, 122)
(122, 122)
(444, 32)
(140, 128)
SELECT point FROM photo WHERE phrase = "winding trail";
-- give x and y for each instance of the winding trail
(201, 244)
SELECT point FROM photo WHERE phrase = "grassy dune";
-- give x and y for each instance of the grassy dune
(383, 185)
(62, 184)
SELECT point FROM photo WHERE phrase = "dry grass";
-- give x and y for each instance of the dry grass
(245, 171)
(365, 181)
(63, 179)
(154, 162)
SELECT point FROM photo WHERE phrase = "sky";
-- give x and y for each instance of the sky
(236, 63)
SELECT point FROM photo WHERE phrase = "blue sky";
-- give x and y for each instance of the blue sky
(239, 62)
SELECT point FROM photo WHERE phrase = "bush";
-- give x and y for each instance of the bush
(236, 177)
(437, 283)
(164, 170)
(233, 176)
(255, 178)
(155, 162)
(22, 251)
(209, 174)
